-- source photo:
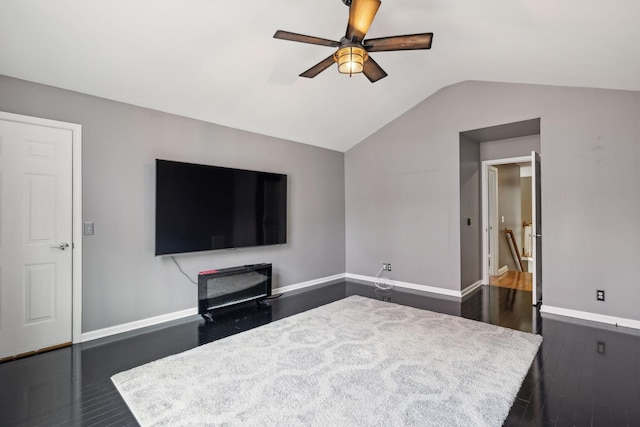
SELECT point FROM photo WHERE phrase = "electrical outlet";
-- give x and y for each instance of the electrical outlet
(389, 267)
(601, 347)
(600, 295)
(384, 267)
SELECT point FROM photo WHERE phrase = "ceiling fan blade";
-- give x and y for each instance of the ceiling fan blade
(318, 68)
(294, 37)
(408, 42)
(361, 14)
(373, 71)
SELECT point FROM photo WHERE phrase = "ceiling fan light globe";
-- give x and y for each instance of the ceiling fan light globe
(351, 59)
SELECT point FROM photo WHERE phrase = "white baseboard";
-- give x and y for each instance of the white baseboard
(407, 285)
(143, 323)
(469, 289)
(502, 270)
(152, 321)
(302, 285)
(594, 317)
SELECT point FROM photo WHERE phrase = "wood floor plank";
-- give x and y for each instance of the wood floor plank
(520, 280)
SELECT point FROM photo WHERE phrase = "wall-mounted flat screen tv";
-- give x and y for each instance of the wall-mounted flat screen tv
(201, 208)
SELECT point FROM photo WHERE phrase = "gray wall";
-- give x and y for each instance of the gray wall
(403, 191)
(122, 280)
(525, 204)
(470, 207)
(509, 206)
(525, 192)
(512, 147)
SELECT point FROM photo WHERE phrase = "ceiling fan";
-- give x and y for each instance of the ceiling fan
(353, 51)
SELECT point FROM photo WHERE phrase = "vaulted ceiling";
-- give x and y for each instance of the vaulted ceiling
(217, 60)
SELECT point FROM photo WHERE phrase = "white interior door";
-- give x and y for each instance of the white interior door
(492, 217)
(35, 237)
(536, 229)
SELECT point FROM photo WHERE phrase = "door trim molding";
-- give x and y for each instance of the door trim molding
(492, 235)
(76, 197)
(485, 207)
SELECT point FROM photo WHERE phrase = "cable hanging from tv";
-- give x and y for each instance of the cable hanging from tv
(182, 271)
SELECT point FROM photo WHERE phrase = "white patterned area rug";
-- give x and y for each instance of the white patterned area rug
(354, 362)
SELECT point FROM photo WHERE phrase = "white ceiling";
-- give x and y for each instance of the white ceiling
(216, 60)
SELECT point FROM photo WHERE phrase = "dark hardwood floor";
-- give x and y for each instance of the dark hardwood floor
(583, 374)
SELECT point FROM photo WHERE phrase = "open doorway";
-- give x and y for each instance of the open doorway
(513, 224)
(515, 144)
(509, 218)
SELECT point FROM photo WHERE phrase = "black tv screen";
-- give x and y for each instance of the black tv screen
(201, 208)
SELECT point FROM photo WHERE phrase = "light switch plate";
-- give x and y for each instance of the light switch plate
(88, 229)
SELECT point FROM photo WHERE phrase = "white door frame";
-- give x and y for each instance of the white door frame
(485, 208)
(76, 246)
(493, 249)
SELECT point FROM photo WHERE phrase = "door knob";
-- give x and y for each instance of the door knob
(61, 246)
